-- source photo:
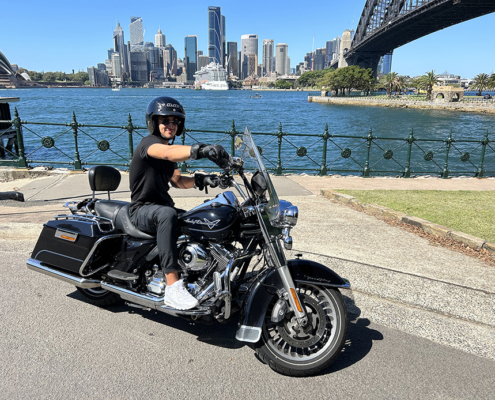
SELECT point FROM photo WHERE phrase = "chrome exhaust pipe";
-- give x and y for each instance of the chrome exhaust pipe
(149, 301)
(38, 266)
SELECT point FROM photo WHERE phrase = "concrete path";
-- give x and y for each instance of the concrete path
(398, 279)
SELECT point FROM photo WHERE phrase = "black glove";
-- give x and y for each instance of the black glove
(195, 151)
(215, 153)
(202, 181)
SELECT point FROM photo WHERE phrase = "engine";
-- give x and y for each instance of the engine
(196, 257)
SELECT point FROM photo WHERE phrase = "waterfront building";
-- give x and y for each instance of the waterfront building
(385, 64)
(281, 51)
(267, 56)
(169, 61)
(345, 45)
(136, 33)
(215, 34)
(155, 61)
(319, 56)
(232, 65)
(203, 61)
(108, 66)
(332, 51)
(97, 77)
(120, 48)
(249, 45)
(116, 67)
(253, 65)
(287, 68)
(101, 66)
(239, 64)
(224, 50)
(139, 71)
(160, 39)
(191, 56)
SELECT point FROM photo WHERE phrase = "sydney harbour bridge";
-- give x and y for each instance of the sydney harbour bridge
(387, 24)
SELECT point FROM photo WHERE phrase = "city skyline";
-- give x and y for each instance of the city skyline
(458, 49)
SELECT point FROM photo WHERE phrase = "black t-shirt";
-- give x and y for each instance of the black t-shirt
(149, 177)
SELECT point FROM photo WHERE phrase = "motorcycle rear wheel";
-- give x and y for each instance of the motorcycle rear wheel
(294, 352)
(99, 297)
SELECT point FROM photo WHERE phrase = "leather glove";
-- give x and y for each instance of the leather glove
(215, 153)
(195, 151)
(202, 181)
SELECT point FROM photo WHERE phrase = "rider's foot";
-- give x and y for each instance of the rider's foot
(177, 296)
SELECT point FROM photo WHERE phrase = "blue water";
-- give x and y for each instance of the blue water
(209, 110)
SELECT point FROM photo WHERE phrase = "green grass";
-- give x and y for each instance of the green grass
(471, 212)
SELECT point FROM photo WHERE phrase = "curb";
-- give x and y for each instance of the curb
(427, 226)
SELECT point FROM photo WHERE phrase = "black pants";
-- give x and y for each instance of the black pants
(162, 221)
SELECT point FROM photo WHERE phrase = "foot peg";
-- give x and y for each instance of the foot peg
(121, 275)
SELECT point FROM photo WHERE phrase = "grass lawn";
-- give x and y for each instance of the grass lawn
(471, 212)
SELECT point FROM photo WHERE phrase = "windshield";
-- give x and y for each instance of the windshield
(251, 156)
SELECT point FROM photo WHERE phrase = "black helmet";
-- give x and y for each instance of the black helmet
(164, 106)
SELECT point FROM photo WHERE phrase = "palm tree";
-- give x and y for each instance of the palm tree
(429, 80)
(400, 83)
(389, 81)
(481, 82)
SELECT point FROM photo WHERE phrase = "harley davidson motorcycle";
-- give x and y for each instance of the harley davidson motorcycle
(231, 251)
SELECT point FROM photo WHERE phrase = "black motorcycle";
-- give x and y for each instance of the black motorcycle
(232, 256)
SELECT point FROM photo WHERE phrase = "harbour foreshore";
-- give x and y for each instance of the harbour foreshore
(485, 108)
(398, 279)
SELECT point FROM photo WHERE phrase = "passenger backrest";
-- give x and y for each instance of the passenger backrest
(103, 178)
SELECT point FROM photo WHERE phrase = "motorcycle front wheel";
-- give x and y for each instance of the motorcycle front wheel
(295, 351)
(99, 297)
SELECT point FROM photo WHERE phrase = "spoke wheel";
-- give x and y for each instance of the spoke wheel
(302, 351)
(99, 297)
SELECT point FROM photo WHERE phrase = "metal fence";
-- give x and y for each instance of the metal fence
(78, 145)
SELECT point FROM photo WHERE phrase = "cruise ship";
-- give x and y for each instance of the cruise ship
(211, 77)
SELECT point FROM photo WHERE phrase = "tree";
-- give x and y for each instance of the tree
(481, 82)
(283, 84)
(389, 81)
(416, 83)
(308, 79)
(400, 83)
(81, 76)
(429, 80)
(49, 77)
(491, 81)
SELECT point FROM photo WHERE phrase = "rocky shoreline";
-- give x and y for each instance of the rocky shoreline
(485, 108)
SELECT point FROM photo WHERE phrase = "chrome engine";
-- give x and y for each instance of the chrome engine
(195, 257)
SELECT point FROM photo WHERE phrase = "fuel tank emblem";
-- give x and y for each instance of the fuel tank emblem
(204, 221)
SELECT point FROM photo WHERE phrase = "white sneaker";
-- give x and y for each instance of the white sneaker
(177, 296)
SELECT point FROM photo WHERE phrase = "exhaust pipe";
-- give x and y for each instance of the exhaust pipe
(83, 283)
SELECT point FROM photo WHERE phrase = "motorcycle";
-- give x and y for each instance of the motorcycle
(231, 252)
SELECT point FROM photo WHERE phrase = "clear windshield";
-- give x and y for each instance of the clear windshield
(251, 156)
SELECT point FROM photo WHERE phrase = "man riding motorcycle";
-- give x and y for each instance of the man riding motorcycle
(153, 169)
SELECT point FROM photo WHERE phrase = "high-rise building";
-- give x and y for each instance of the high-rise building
(139, 69)
(169, 60)
(97, 77)
(120, 48)
(319, 58)
(267, 57)
(252, 64)
(215, 34)
(332, 51)
(101, 66)
(232, 59)
(385, 64)
(202, 61)
(249, 45)
(155, 61)
(191, 56)
(287, 67)
(136, 34)
(281, 54)
(160, 39)
(116, 67)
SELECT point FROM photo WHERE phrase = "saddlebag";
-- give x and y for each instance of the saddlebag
(66, 243)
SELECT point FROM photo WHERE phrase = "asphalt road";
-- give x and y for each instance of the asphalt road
(53, 345)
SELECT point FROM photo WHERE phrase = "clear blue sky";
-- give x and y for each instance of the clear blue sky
(58, 35)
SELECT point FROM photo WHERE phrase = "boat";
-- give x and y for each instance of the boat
(256, 96)
(116, 88)
(211, 77)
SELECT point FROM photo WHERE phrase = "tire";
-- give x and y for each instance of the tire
(305, 353)
(99, 297)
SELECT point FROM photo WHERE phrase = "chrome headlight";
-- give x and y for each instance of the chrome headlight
(288, 215)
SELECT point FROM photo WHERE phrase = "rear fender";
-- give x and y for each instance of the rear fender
(263, 290)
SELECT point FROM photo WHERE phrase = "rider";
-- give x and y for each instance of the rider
(153, 168)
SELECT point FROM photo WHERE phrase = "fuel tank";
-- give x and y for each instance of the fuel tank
(215, 219)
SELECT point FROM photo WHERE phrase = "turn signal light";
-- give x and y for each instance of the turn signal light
(294, 296)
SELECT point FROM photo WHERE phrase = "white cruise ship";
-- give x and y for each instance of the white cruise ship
(212, 77)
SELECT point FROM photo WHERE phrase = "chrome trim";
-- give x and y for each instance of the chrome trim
(250, 334)
(58, 254)
(38, 266)
(91, 252)
(347, 285)
(87, 218)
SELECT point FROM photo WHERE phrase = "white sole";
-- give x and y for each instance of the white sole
(182, 308)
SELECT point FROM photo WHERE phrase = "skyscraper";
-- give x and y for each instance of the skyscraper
(160, 39)
(232, 57)
(319, 58)
(169, 60)
(385, 64)
(332, 51)
(281, 55)
(120, 48)
(224, 50)
(191, 55)
(215, 34)
(249, 45)
(267, 56)
(136, 33)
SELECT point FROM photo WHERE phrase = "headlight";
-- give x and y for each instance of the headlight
(288, 215)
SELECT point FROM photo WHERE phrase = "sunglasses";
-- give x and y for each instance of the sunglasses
(165, 121)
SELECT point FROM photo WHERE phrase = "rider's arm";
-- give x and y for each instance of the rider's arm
(174, 153)
(181, 182)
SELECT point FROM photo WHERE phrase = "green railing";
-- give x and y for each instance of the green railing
(76, 144)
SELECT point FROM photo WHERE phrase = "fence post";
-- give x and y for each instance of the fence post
(481, 169)
(366, 171)
(445, 172)
(183, 165)
(130, 129)
(323, 168)
(280, 134)
(21, 161)
(410, 140)
(232, 134)
(77, 160)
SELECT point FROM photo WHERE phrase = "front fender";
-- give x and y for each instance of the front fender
(262, 291)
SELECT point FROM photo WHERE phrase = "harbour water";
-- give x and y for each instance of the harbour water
(215, 110)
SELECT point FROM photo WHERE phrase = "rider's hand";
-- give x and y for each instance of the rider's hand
(202, 181)
(195, 151)
(215, 153)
